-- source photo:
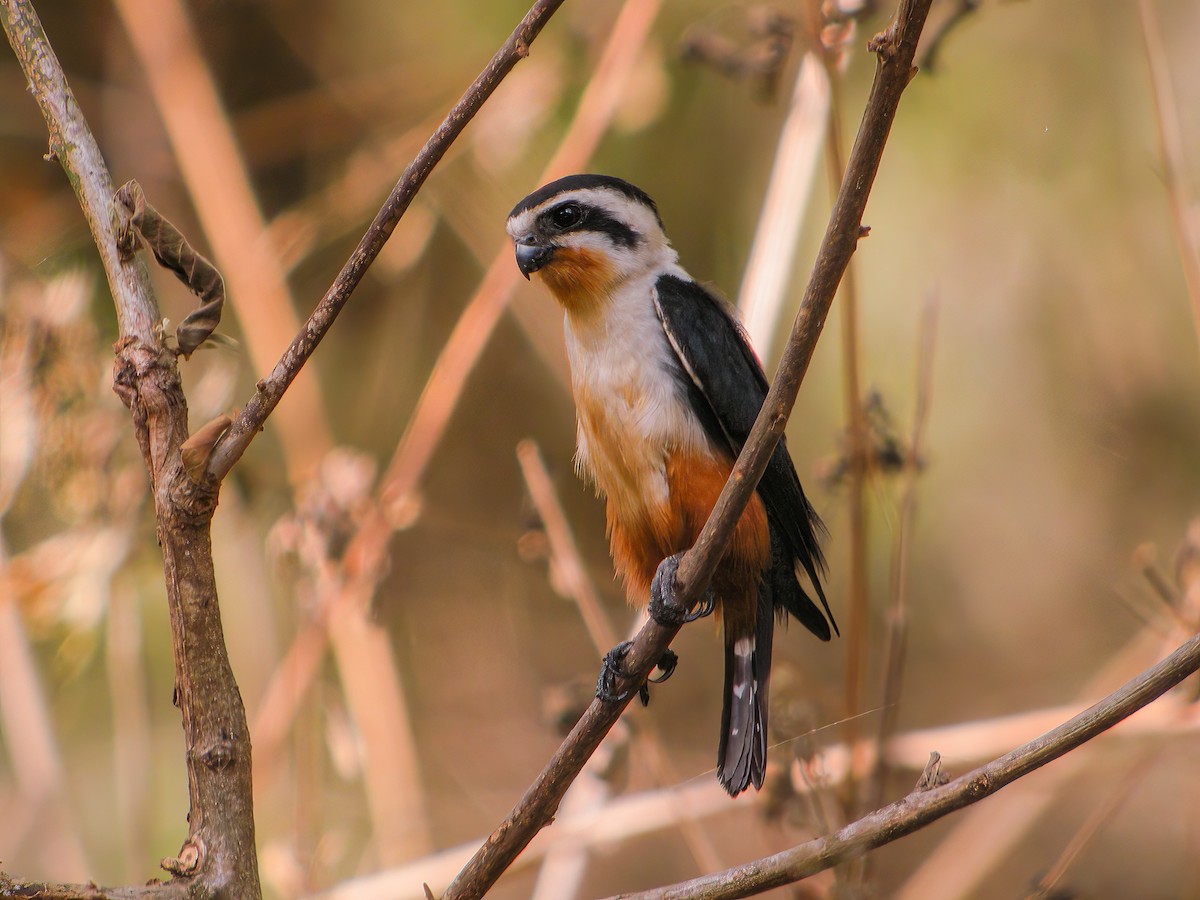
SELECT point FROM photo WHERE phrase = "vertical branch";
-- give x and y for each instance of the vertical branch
(858, 462)
(219, 852)
(895, 645)
(1170, 139)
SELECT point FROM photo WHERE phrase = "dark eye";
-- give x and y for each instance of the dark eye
(567, 216)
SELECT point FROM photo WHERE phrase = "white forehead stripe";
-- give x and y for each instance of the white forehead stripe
(620, 206)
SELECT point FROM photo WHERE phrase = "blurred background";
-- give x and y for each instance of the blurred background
(407, 674)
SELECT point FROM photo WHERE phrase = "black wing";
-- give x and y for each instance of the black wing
(727, 387)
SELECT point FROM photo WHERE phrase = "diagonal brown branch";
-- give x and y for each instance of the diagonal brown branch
(271, 389)
(920, 808)
(895, 49)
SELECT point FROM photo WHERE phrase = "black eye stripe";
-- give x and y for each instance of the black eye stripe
(591, 218)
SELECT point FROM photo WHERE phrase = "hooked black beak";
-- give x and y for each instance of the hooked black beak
(532, 256)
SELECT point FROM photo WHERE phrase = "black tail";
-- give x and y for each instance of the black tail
(742, 755)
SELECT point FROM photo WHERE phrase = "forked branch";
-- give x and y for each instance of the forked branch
(219, 854)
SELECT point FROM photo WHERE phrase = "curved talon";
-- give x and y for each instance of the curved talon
(707, 604)
(667, 663)
(665, 608)
(610, 672)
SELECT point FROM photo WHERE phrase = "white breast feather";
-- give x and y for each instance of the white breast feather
(631, 414)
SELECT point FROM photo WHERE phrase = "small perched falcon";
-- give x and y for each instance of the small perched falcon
(666, 388)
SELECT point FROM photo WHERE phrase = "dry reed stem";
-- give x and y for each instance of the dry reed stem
(1180, 195)
(622, 819)
(370, 541)
(133, 755)
(282, 699)
(475, 326)
(769, 267)
(36, 762)
(1102, 814)
(393, 783)
(564, 551)
(218, 183)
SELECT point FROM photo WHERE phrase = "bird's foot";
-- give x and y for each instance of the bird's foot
(612, 671)
(665, 608)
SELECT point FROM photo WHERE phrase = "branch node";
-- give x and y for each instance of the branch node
(199, 447)
(188, 861)
(883, 44)
(220, 756)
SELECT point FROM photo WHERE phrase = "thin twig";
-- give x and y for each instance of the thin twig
(895, 48)
(992, 831)
(1170, 140)
(1103, 812)
(921, 808)
(563, 550)
(37, 768)
(895, 642)
(271, 389)
(858, 463)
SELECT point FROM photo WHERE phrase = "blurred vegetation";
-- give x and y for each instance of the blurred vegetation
(1023, 188)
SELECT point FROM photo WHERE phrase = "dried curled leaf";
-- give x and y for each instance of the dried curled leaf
(139, 219)
(199, 447)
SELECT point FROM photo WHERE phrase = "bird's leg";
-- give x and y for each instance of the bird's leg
(665, 608)
(612, 670)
